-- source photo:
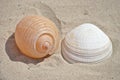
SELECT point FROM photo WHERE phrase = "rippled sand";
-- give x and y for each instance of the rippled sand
(66, 14)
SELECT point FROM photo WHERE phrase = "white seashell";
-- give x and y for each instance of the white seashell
(86, 43)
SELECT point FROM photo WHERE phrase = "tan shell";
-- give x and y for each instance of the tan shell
(36, 36)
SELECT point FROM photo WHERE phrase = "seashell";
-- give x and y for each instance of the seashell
(36, 36)
(86, 43)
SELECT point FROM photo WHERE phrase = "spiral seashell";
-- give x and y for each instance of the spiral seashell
(36, 36)
(86, 43)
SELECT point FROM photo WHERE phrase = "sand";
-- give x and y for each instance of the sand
(66, 14)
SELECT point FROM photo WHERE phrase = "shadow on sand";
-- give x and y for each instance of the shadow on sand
(15, 54)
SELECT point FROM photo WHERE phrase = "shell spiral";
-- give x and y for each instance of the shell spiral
(36, 36)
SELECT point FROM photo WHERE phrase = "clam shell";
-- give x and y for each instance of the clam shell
(36, 36)
(86, 43)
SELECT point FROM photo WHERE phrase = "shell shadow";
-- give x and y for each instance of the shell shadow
(15, 54)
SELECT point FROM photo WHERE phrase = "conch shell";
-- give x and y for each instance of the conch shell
(86, 43)
(36, 36)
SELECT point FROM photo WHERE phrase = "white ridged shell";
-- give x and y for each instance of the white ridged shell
(86, 43)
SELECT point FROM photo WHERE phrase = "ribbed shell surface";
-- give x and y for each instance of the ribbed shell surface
(36, 36)
(86, 43)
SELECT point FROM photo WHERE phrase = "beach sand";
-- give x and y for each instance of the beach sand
(66, 14)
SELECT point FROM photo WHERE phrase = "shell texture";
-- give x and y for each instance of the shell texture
(86, 43)
(36, 36)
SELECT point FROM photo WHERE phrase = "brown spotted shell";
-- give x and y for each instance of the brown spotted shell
(36, 36)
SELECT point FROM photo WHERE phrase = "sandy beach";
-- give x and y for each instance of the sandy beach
(66, 14)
